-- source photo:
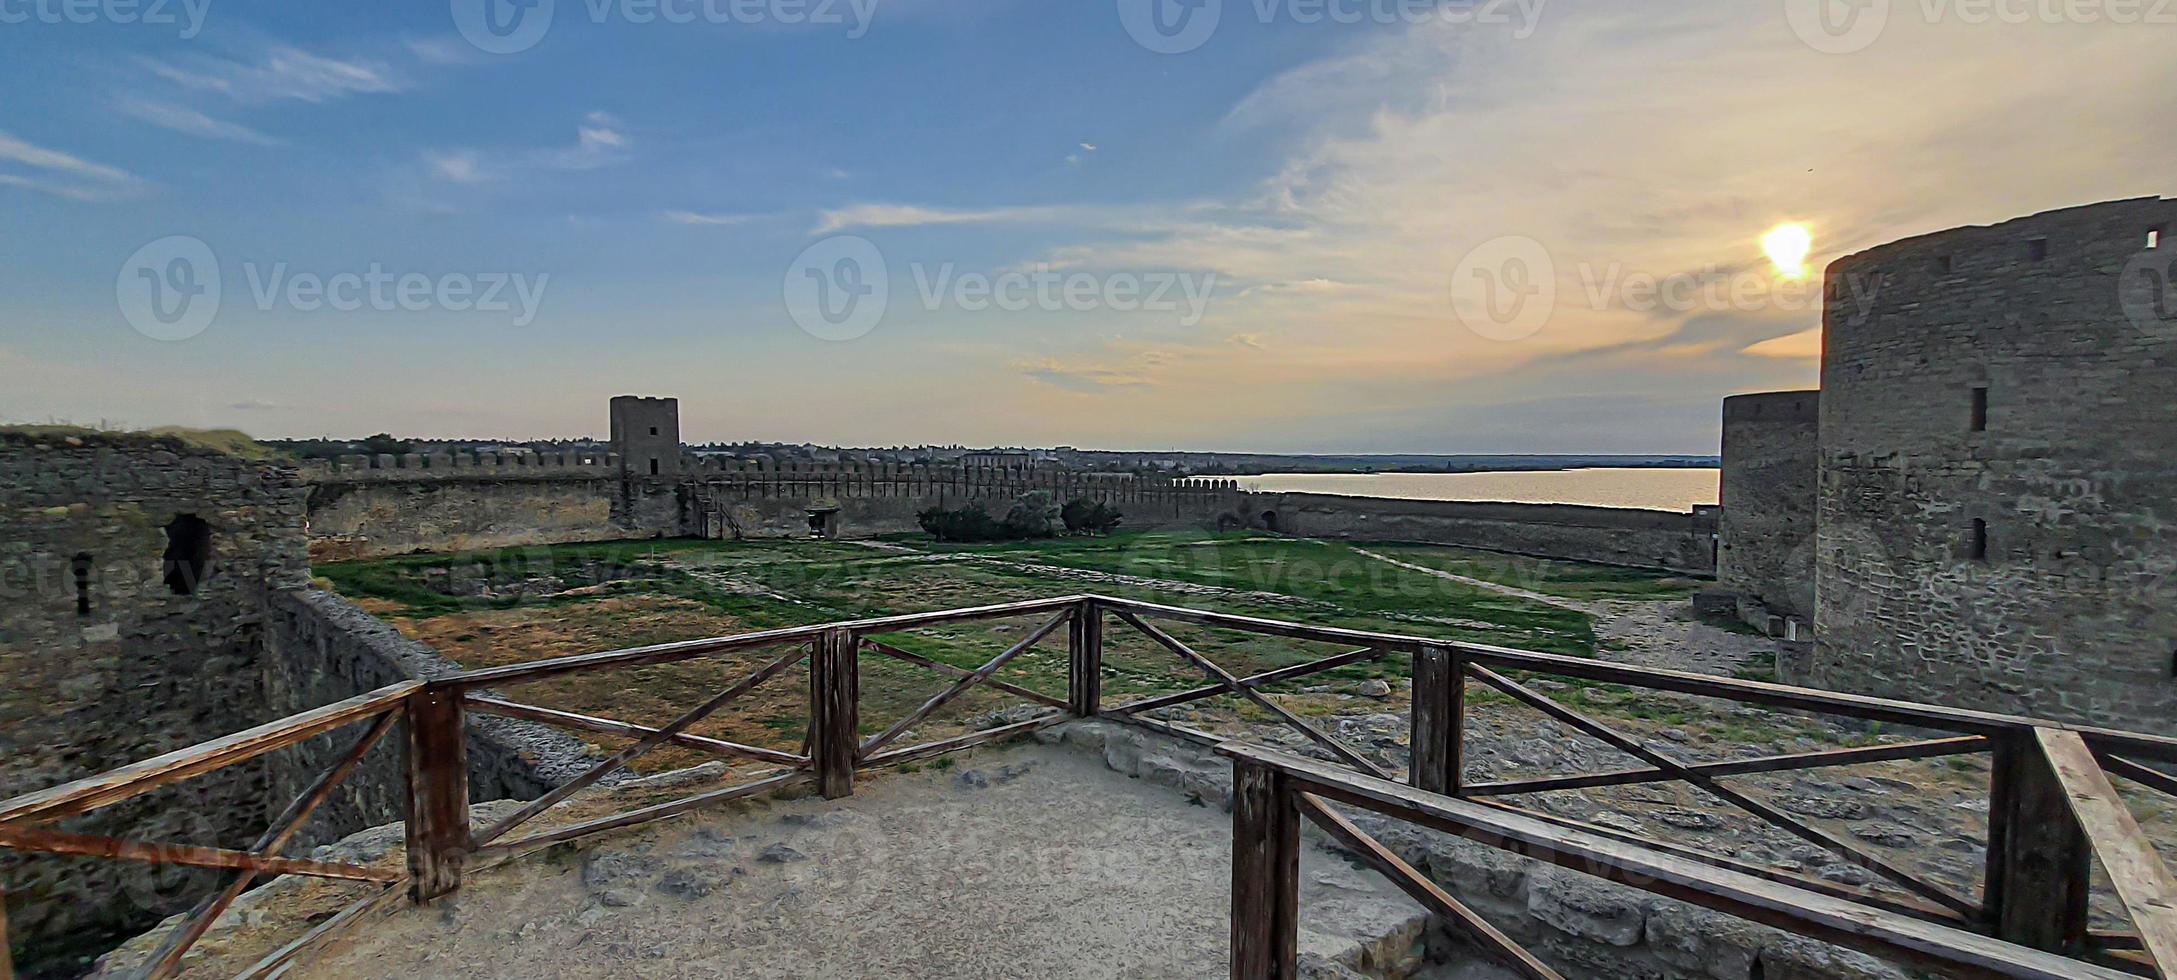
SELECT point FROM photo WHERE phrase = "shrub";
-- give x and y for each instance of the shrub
(1085, 516)
(969, 523)
(1031, 515)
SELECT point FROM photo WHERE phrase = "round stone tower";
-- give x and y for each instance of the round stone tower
(1998, 506)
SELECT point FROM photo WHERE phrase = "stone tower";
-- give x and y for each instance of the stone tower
(646, 435)
(1998, 506)
(1771, 459)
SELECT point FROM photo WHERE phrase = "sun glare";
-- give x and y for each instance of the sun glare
(1788, 247)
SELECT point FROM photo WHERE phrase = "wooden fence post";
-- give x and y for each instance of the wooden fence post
(835, 711)
(2039, 860)
(1265, 874)
(1085, 649)
(7, 954)
(1439, 720)
(438, 794)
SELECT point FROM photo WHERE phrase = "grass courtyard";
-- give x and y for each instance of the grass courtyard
(507, 607)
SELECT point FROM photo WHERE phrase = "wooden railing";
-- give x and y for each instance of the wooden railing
(2052, 808)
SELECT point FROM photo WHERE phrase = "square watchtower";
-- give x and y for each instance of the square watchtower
(646, 435)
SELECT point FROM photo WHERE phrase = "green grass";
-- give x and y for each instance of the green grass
(1566, 579)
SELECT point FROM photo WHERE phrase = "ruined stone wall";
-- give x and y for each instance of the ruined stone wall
(320, 648)
(1771, 465)
(1613, 536)
(761, 501)
(125, 668)
(2014, 550)
(365, 507)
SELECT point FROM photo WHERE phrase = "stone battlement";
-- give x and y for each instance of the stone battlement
(475, 466)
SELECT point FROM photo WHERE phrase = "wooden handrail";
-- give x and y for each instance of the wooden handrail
(128, 782)
(1807, 913)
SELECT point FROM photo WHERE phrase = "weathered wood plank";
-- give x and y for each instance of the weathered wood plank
(2141, 878)
(607, 726)
(438, 794)
(964, 685)
(938, 666)
(1259, 680)
(649, 742)
(515, 848)
(1928, 749)
(1265, 874)
(1439, 721)
(128, 782)
(166, 960)
(271, 965)
(1462, 920)
(835, 713)
(1085, 660)
(1233, 684)
(7, 953)
(2039, 862)
(2154, 779)
(35, 840)
(1901, 905)
(970, 740)
(666, 653)
(1743, 801)
(1706, 685)
(1808, 913)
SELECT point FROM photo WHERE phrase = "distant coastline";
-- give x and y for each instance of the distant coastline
(1676, 489)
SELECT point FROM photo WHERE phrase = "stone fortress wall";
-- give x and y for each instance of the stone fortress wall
(1771, 464)
(1994, 487)
(1652, 539)
(1998, 505)
(154, 595)
(380, 506)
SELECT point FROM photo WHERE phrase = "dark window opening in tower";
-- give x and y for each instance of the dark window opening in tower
(188, 560)
(1980, 409)
(1944, 265)
(81, 566)
(653, 466)
(1980, 540)
(2037, 250)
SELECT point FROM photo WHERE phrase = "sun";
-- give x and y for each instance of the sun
(1788, 246)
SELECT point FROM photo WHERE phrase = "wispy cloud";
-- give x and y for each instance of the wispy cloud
(910, 216)
(1082, 378)
(185, 120)
(281, 72)
(598, 143)
(62, 174)
(702, 219)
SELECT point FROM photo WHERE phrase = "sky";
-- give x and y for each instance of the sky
(1247, 225)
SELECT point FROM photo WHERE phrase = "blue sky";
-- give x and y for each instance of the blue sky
(1321, 185)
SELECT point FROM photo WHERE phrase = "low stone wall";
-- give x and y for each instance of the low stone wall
(320, 648)
(1634, 538)
(458, 511)
(1584, 926)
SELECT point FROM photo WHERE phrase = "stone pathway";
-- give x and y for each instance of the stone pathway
(1022, 862)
